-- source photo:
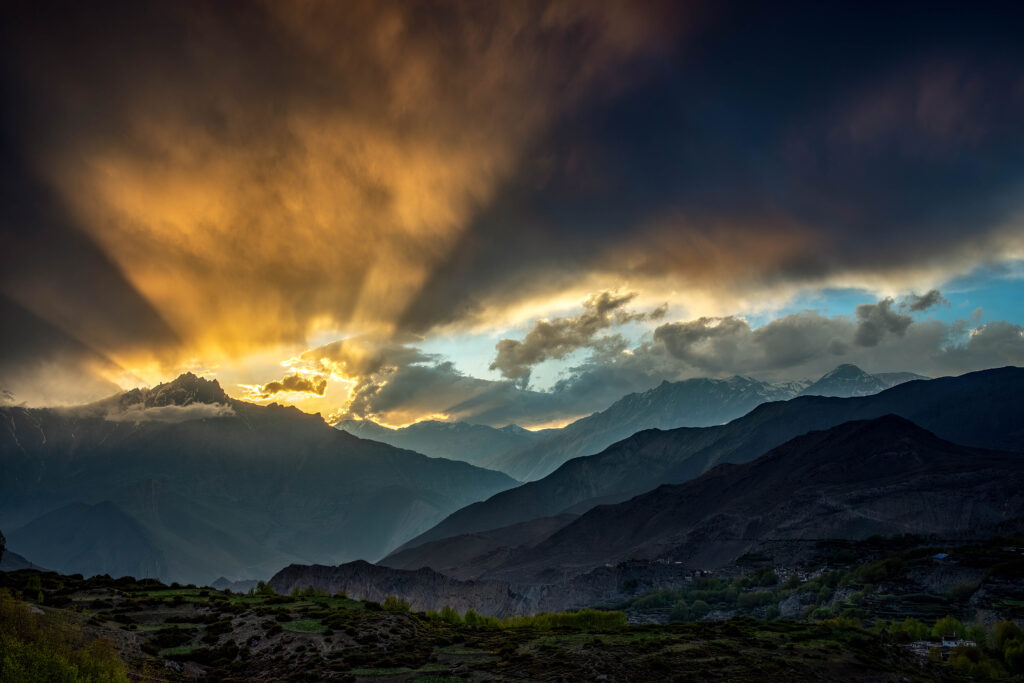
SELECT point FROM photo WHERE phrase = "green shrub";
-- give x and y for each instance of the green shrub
(263, 588)
(35, 647)
(889, 569)
(1004, 633)
(914, 629)
(583, 620)
(962, 591)
(393, 603)
(450, 615)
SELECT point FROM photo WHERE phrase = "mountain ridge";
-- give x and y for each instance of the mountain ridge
(885, 476)
(240, 493)
(988, 419)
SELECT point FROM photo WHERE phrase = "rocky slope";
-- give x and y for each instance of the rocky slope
(878, 477)
(977, 409)
(690, 403)
(848, 380)
(860, 480)
(470, 556)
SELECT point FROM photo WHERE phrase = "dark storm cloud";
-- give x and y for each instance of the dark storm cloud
(190, 180)
(709, 343)
(64, 304)
(922, 303)
(40, 363)
(253, 169)
(993, 344)
(781, 145)
(875, 321)
(558, 337)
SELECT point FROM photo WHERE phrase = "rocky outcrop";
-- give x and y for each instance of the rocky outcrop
(424, 589)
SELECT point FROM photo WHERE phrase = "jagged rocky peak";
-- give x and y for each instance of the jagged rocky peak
(847, 380)
(185, 390)
(846, 371)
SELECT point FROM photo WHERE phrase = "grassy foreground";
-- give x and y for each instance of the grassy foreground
(102, 629)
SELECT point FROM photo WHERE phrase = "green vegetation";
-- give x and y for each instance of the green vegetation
(393, 603)
(42, 647)
(840, 625)
(304, 626)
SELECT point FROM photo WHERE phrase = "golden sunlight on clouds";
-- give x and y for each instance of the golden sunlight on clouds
(249, 206)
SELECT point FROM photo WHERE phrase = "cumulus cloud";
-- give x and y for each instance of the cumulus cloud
(397, 383)
(293, 383)
(992, 344)
(878, 320)
(558, 337)
(807, 344)
(917, 303)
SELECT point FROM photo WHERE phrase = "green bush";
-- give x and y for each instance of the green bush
(680, 612)
(583, 620)
(889, 569)
(962, 591)
(393, 603)
(263, 588)
(914, 629)
(36, 647)
(450, 615)
(1004, 633)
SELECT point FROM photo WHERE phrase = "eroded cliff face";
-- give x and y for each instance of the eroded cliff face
(424, 589)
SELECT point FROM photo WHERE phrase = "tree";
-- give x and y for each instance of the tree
(3, 545)
(948, 626)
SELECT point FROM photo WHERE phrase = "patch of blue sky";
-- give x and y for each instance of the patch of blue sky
(828, 302)
(997, 289)
(471, 354)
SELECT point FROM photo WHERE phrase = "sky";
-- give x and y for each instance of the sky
(504, 212)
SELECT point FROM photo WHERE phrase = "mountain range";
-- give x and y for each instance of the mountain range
(885, 476)
(472, 443)
(183, 483)
(528, 456)
(979, 409)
